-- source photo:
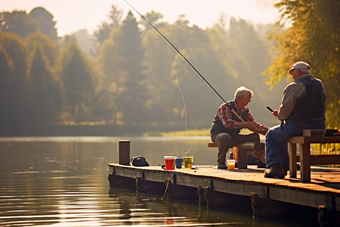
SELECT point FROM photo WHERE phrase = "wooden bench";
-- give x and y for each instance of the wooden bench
(306, 160)
(240, 152)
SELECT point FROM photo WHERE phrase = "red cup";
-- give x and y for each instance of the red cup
(170, 162)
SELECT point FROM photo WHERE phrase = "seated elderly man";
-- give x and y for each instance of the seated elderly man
(226, 126)
(302, 107)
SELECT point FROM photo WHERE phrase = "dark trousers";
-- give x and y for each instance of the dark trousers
(225, 141)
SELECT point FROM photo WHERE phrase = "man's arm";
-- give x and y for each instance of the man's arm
(225, 116)
(261, 129)
(291, 94)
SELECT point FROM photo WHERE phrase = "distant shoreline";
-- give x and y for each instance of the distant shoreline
(103, 130)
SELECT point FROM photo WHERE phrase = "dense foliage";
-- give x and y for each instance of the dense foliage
(135, 77)
(314, 37)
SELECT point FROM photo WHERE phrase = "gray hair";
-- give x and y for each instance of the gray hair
(305, 71)
(242, 92)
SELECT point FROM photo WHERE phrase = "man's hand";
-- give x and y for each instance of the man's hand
(276, 113)
(249, 125)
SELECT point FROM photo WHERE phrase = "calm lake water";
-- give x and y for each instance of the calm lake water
(62, 181)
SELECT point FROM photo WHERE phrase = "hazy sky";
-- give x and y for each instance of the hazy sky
(72, 15)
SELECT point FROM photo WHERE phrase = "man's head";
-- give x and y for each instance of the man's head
(242, 96)
(298, 69)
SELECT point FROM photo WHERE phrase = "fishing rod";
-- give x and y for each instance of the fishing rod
(176, 50)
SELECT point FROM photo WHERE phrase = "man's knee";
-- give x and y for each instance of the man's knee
(223, 138)
(270, 133)
(254, 137)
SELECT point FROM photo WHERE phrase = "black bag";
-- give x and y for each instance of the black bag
(139, 161)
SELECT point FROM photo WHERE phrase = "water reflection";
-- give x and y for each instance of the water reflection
(62, 181)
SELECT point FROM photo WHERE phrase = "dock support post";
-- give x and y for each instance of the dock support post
(124, 152)
(328, 218)
(264, 207)
(212, 199)
(202, 193)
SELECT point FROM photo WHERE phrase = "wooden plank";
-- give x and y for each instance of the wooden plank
(305, 162)
(319, 160)
(292, 160)
(323, 179)
(192, 180)
(131, 172)
(314, 139)
(301, 197)
(239, 188)
(157, 176)
(296, 139)
(212, 144)
(324, 159)
(325, 139)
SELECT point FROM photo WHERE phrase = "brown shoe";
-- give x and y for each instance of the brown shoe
(276, 171)
(260, 155)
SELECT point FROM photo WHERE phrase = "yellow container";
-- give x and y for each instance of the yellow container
(188, 162)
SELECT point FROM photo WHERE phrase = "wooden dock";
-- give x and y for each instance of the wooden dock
(212, 187)
(244, 188)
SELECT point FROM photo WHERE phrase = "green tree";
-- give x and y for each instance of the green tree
(6, 69)
(77, 77)
(45, 21)
(104, 29)
(153, 17)
(250, 58)
(130, 49)
(49, 48)
(314, 38)
(15, 80)
(198, 47)
(18, 22)
(158, 61)
(166, 69)
(45, 102)
(111, 84)
(85, 40)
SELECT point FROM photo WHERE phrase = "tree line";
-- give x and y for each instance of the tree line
(314, 37)
(134, 77)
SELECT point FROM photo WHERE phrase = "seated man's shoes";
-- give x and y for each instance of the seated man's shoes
(276, 171)
(260, 164)
(260, 154)
(222, 166)
(285, 169)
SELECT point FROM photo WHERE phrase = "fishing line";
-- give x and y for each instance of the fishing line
(184, 105)
(183, 100)
(176, 50)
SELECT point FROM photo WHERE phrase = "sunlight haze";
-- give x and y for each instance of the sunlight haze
(73, 15)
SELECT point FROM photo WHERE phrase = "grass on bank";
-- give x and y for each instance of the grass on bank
(184, 133)
(191, 132)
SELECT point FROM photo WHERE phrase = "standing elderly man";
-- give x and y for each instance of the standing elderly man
(226, 125)
(302, 107)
